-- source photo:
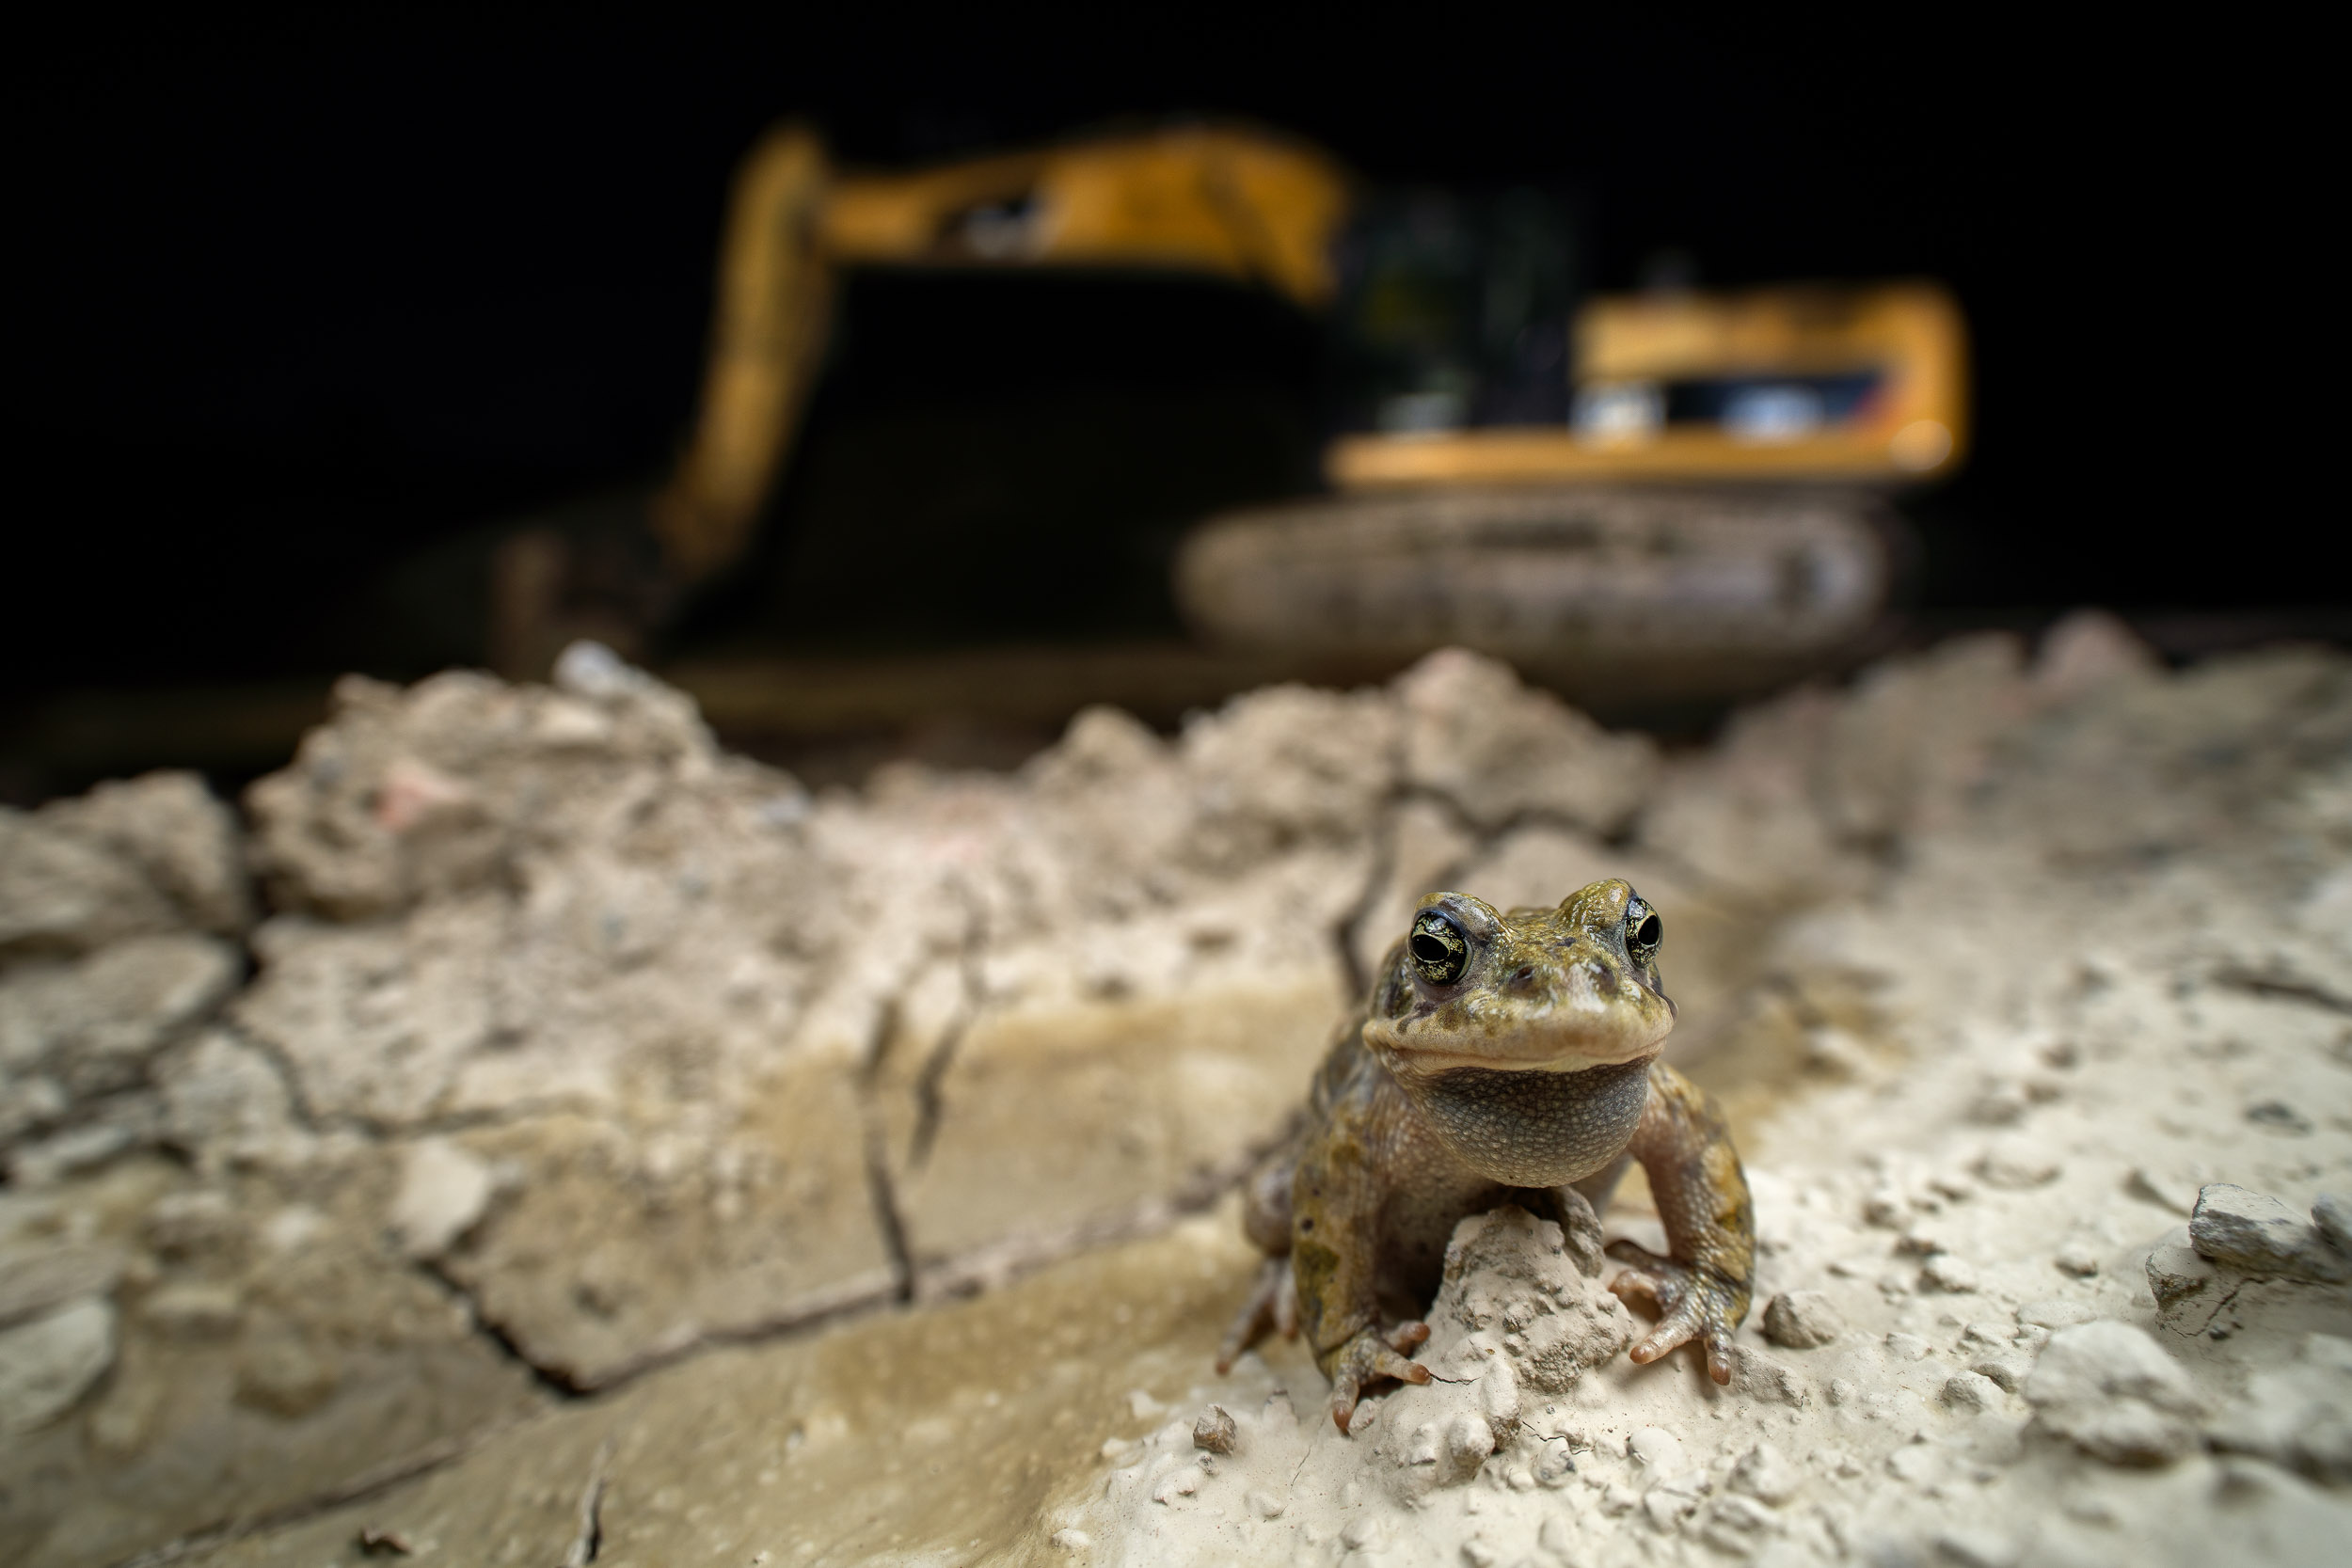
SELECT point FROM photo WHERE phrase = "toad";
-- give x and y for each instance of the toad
(1499, 1058)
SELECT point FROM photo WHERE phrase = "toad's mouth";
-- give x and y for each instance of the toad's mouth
(1563, 1041)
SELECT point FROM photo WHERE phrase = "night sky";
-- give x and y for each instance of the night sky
(308, 299)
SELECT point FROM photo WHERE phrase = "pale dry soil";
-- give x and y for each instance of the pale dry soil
(567, 1143)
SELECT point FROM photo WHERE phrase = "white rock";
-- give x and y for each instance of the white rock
(1468, 1442)
(2002, 1372)
(2114, 1392)
(1801, 1319)
(221, 1095)
(1971, 1392)
(1658, 1450)
(1949, 1274)
(1767, 1475)
(1762, 1377)
(443, 1192)
(48, 1363)
(1499, 1396)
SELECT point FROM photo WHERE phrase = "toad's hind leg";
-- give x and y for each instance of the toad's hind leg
(1265, 1219)
(1272, 1308)
(1701, 1291)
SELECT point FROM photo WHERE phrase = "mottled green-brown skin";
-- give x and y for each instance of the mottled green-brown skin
(1534, 1078)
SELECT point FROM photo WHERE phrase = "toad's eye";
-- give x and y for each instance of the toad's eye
(1441, 952)
(1643, 930)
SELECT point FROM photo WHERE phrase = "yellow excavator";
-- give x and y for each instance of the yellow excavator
(1689, 476)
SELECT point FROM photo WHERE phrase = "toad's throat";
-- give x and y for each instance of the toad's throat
(1535, 1128)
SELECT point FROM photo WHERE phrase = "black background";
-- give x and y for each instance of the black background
(307, 298)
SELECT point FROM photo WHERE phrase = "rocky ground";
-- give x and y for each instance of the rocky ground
(531, 1135)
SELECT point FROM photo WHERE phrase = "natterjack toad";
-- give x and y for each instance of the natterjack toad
(1499, 1058)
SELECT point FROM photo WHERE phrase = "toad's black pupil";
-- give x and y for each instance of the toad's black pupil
(1647, 933)
(1428, 949)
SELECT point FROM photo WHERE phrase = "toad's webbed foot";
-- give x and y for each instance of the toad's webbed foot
(1369, 1357)
(1272, 1308)
(1691, 1301)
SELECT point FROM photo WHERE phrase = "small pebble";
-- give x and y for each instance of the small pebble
(2008, 1375)
(2075, 1258)
(1214, 1431)
(1971, 1392)
(1949, 1274)
(1181, 1482)
(1975, 1548)
(2279, 1115)
(2015, 1164)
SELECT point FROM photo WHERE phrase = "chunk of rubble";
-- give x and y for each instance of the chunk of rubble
(1498, 750)
(38, 1280)
(2333, 1215)
(2260, 1235)
(2113, 1392)
(48, 1362)
(1801, 1319)
(2298, 1416)
(90, 1024)
(444, 1188)
(180, 838)
(1767, 1475)
(1511, 1276)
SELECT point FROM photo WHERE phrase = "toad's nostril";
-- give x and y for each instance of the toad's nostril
(1523, 976)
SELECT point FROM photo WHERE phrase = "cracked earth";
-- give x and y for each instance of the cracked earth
(528, 1133)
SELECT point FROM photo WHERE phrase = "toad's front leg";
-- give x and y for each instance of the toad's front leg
(1701, 1291)
(1335, 1236)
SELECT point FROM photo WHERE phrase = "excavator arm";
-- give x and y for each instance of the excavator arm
(1227, 202)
